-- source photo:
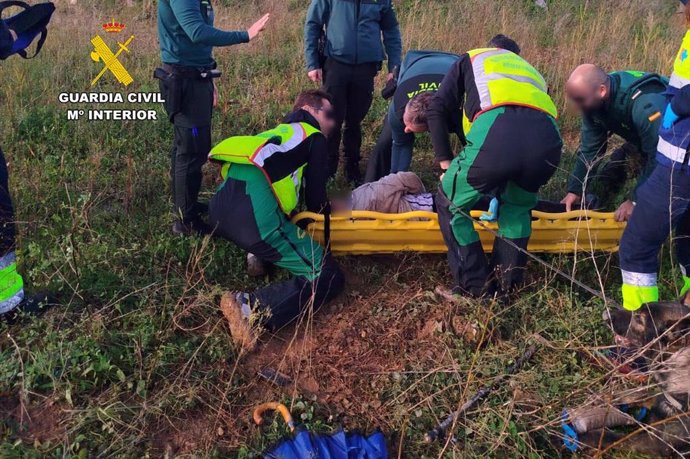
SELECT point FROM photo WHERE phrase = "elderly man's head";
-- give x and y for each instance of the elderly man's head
(588, 87)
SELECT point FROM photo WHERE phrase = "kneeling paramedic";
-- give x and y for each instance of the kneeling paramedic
(16, 34)
(663, 200)
(513, 145)
(420, 77)
(264, 175)
(187, 38)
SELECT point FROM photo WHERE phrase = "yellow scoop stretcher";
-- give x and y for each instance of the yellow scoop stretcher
(368, 233)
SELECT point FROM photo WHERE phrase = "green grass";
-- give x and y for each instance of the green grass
(138, 360)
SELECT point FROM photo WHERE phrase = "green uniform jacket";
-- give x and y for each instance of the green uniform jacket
(630, 112)
(187, 35)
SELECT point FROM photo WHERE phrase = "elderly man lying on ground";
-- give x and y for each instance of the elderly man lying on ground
(404, 192)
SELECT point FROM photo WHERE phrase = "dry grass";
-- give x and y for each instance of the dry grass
(138, 360)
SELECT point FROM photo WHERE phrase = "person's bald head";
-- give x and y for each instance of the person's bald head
(588, 87)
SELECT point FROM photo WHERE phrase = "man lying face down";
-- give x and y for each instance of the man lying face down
(405, 192)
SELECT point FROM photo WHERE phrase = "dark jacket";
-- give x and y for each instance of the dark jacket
(353, 32)
(187, 35)
(458, 89)
(313, 153)
(421, 71)
(632, 111)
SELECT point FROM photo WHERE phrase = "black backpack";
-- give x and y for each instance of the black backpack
(28, 24)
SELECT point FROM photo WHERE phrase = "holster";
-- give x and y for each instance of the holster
(172, 88)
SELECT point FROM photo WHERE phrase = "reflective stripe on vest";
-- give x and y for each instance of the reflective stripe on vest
(504, 78)
(672, 152)
(255, 150)
(681, 66)
(11, 283)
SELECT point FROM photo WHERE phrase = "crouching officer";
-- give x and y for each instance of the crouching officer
(187, 38)
(420, 77)
(663, 200)
(264, 175)
(628, 104)
(513, 145)
(16, 34)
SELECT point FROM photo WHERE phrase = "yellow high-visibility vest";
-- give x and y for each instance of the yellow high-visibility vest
(504, 78)
(681, 66)
(255, 150)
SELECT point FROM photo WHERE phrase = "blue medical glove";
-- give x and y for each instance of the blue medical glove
(670, 117)
(492, 214)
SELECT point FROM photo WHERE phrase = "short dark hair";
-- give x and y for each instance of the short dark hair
(503, 42)
(312, 98)
(418, 107)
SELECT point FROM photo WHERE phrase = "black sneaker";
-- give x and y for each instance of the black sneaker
(192, 228)
(34, 305)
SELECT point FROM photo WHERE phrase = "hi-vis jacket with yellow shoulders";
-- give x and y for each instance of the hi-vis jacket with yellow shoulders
(259, 149)
(481, 80)
(504, 78)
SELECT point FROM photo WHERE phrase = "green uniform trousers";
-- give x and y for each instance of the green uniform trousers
(511, 152)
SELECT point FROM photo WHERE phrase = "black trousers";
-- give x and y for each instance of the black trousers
(352, 89)
(379, 161)
(189, 104)
(8, 231)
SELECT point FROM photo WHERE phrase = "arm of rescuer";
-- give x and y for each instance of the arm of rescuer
(646, 117)
(316, 175)
(593, 144)
(391, 37)
(443, 106)
(317, 18)
(188, 14)
(680, 103)
(403, 143)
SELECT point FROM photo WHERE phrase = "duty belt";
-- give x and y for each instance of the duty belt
(201, 73)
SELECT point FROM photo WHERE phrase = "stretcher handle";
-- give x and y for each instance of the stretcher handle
(274, 406)
(433, 216)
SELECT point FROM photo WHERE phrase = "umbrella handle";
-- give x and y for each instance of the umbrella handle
(274, 406)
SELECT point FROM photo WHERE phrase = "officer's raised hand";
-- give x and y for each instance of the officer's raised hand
(259, 26)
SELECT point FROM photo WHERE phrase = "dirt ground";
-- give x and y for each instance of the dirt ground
(346, 358)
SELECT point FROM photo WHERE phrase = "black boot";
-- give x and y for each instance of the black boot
(195, 227)
(352, 174)
(34, 305)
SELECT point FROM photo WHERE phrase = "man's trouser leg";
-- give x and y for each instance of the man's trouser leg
(465, 252)
(336, 83)
(11, 283)
(192, 143)
(515, 225)
(379, 162)
(360, 97)
(467, 262)
(662, 204)
(273, 238)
